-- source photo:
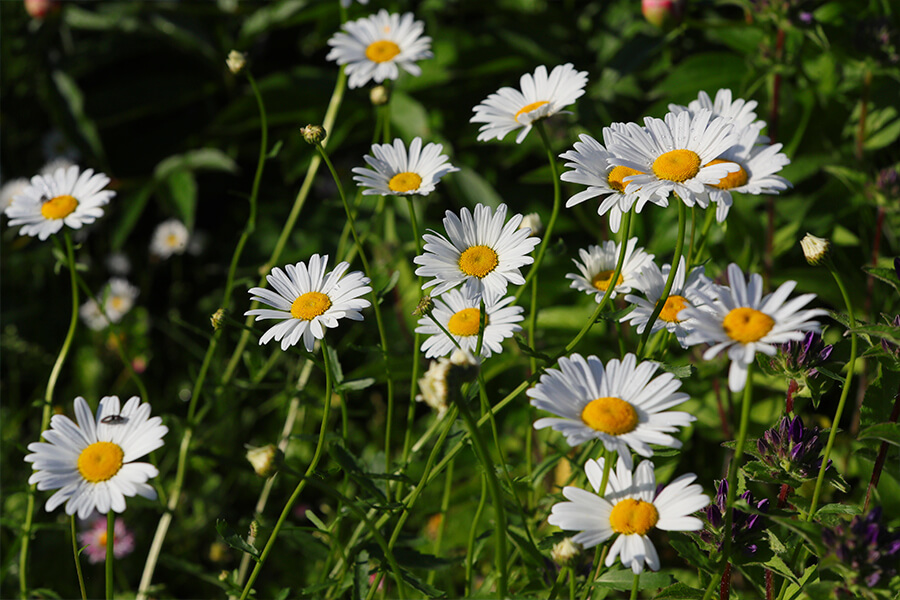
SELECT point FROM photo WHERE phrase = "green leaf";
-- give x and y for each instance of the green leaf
(132, 210)
(74, 99)
(355, 384)
(276, 149)
(409, 557)
(409, 117)
(528, 350)
(428, 590)
(268, 17)
(183, 190)
(231, 538)
(283, 594)
(391, 284)
(679, 591)
(703, 71)
(361, 575)
(803, 583)
(208, 159)
(886, 432)
(679, 371)
(350, 466)
(686, 548)
(885, 332)
(623, 579)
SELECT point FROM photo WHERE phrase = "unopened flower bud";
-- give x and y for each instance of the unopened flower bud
(223, 576)
(533, 222)
(425, 306)
(665, 14)
(815, 249)
(565, 552)
(313, 134)
(236, 61)
(265, 460)
(379, 95)
(254, 529)
(217, 318)
(41, 9)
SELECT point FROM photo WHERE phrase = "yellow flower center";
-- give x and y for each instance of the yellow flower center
(100, 461)
(310, 305)
(478, 261)
(677, 165)
(747, 325)
(405, 182)
(673, 306)
(117, 302)
(465, 322)
(101, 541)
(732, 180)
(631, 516)
(602, 279)
(610, 415)
(59, 207)
(172, 240)
(615, 177)
(529, 107)
(382, 51)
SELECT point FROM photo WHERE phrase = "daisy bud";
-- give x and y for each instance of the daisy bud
(815, 249)
(425, 306)
(265, 460)
(217, 318)
(254, 529)
(665, 14)
(565, 552)
(533, 222)
(313, 134)
(236, 61)
(379, 95)
(41, 9)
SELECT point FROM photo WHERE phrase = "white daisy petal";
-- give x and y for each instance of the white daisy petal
(598, 263)
(392, 172)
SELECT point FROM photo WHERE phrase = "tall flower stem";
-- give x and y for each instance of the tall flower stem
(414, 376)
(320, 445)
(45, 413)
(315, 162)
(375, 307)
(679, 249)
(851, 366)
(162, 527)
(635, 586)
(77, 559)
(110, 553)
(473, 530)
(445, 506)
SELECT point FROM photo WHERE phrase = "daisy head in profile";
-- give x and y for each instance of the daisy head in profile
(306, 301)
(92, 463)
(620, 404)
(480, 252)
(541, 95)
(66, 196)
(394, 171)
(598, 265)
(674, 155)
(374, 48)
(630, 509)
(460, 315)
(743, 322)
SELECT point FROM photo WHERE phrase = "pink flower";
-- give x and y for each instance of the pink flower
(94, 540)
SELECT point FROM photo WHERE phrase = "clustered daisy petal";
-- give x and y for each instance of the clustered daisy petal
(598, 265)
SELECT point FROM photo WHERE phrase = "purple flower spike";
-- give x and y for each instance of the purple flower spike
(792, 449)
(868, 551)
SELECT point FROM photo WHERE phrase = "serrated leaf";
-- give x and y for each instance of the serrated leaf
(231, 538)
(886, 432)
(886, 275)
(803, 583)
(884, 332)
(679, 591)
(679, 371)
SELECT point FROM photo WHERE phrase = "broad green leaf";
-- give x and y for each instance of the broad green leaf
(886, 432)
(409, 116)
(623, 579)
(886, 275)
(74, 99)
(208, 159)
(679, 591)
(475, 189)
(183, 190)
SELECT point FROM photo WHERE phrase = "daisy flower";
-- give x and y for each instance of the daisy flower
(738, 112)
(590, 163)
(94, 540)
(743, 322)
(619, 405)
(631, 507)
(10, 190)
(119, 297)
(63, 197)
(92, 315)
(482, 253)
(373, 47)
(460, 314)
(598, 264)
(541, 96)
(170, 237)
(395, 172)
(684, 293)
(92, 463)
(306, 301)
(674, 155)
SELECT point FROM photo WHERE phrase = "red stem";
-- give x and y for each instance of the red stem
(725, 586)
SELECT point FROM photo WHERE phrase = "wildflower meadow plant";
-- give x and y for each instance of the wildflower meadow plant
(519, 308)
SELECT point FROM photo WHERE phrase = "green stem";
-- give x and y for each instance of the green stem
(414, 376)
(679, 249)
(690, 255)
(45, 413)
(110, 553)
(711, 588)
(635, 586)
(496, 496)
(445, 506)
(701, 246)
(571, 583)
(375, 307)
(77, 559)
(559, 579)
(320, 445)
(734, 467)
(851, 366)
(470, 546)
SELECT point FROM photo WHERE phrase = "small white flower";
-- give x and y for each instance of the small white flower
(92, 316)
(395, 172)
(433, 386)
(118, 264)
(684, 293)
(541, 96)
(307, 301)
(673, 155)
(65, 197)
(10, 190)
(743, 322)
(118, 298)
(92, 463)
(460, 314)
(631, 508)
(170, 237)
(620, 404)
(374, 47)
(598, 264)
(482, 253)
